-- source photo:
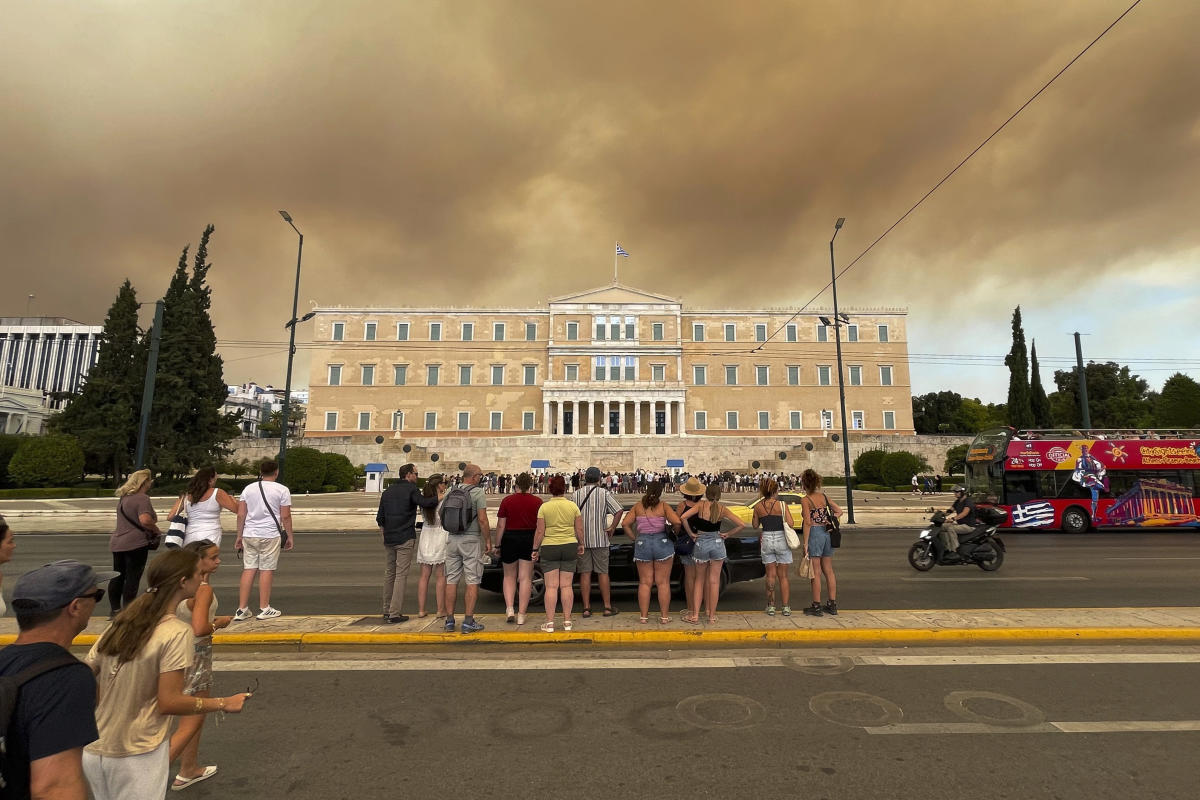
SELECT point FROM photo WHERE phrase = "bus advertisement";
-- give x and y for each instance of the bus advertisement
(1070, 481)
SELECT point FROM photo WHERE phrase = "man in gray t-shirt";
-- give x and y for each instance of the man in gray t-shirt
(595, 505)
(464, 555)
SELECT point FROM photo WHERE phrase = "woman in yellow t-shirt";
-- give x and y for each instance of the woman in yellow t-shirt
(557, 544)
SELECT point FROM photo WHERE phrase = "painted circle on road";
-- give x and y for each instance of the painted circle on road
(958, 704)
(721, 711)
(845, 708)
(819, 665)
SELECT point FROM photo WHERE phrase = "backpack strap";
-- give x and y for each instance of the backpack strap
(40, 668)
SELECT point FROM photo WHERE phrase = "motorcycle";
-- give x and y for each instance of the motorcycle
(981, 547)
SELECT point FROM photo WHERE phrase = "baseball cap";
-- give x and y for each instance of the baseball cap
(592, 474)
(56, 585)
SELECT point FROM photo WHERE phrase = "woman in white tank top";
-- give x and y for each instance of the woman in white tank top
(202, 504)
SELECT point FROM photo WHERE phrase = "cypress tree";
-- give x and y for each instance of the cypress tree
(1020, 410)
(1039, 403)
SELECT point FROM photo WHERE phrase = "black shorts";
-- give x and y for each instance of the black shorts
(516, 546)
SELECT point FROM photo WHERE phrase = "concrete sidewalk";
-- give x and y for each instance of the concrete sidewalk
(849, 627)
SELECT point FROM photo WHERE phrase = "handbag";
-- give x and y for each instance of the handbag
(153, 540)
(789, 533)
(177, 530)
(804, 568)
(834, 528)
(283, 535)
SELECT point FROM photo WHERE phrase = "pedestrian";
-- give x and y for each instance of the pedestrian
(702, 522)
(817, 522)
(396, 518)
(8, 544)
(200, 614)
(470, 536)
(939, 483)
(264, 519)
(431, 549)
(516, 522)
(653, 551)
(140, 661)
(202, 504)
(915, 489)
(136, 532)
(770, 513)
(596, 504)
(557, 546)
(54, 713)
(693, 492)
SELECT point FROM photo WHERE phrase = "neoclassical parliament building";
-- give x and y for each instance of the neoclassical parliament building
(602, 367)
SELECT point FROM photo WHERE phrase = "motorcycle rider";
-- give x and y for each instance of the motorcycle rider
(961, 519)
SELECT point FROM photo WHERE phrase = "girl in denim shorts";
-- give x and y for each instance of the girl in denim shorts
(769, 514)
(818, 509)
(653, 550)
(703, 523)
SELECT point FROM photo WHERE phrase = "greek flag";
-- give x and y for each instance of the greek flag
(1033, 515)
(621, 251)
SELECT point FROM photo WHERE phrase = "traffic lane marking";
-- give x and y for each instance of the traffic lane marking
(990, 579)
(957, 728)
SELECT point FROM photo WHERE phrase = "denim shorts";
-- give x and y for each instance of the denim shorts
(774, 548)
(688, 561)
(653, 547)
(709, 548)
(819, 545)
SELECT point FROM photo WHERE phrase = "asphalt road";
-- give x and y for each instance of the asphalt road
(342, 573)
(796, 726)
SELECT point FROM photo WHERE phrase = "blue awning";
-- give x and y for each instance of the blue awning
(377, 468)
(539, 463)
(674, 462)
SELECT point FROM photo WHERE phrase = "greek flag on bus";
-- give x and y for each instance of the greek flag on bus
(1033, 515)
(621, 251)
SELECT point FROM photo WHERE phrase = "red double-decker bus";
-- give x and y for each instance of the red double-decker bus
(1074, 481)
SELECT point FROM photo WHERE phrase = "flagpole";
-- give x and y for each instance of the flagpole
(614, 263)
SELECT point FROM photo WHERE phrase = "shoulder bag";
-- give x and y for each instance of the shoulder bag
(153, 540)
(789, 533)
(834, 527)
(283, 535)
(177, 530)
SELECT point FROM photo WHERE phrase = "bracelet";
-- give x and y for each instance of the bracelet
(199, 705)
(220, 703)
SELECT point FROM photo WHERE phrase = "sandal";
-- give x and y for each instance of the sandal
(663, 620)
(610, 612)
(712, 620)
(181, 782)
(568, 625)
(644, 620)
(690, 620)
(546, 627)
(587, 612)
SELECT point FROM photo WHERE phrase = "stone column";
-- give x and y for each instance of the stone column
(667, 414)
(604, 420)
(621, 417)
(682, 418)
(637, 418)
(545, 418)
(560, 417)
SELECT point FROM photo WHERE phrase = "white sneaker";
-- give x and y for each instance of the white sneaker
(243, 614)
(270, 613)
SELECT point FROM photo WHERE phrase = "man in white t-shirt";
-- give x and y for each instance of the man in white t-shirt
(264, 508)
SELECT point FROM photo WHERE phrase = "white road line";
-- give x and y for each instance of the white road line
(991, 579)
(1019, 659)
(1152, 558)
(1139, 726)
(957, 728)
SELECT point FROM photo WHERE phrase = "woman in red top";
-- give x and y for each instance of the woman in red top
(517, 519)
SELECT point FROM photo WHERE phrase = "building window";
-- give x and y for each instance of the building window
(464, 374)
(614, 368)
(527, 421)
(658, 372)
(761, 375)
(614, 328)
(431, 420)
(699, 375)
(464, 420)
(791, 332)
(630, 332)
(822, 333)
(400, 374)
(730, 332)
(731, 420)
(883, 333)
(397, 420)
(630, 368)
(764, 420)
(601, 329)
(498, 331)
(823, 373)
(331, 420)
(793, 375)
(656, 331)
(530, 374)
(431, 375)
(335, 374)
(855, 375)
(401, 331)
(826, 419)
(851, 333)
(468, 331)
(572, 331)
(760, 333)
(497, 375)
(368, 375)
(889, 420)
(496, 420)
(369, 332)
(364, 420)
(701, 420)
(885, 375)
(794, 420)
(856, 420)
(530, 331)
(435, 331)
(598, 362)
(572, 372)
(697, 331)
(730, 375)
(339, 331)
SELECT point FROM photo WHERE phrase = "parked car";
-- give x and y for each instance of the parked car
(791, 499)
(743, 564)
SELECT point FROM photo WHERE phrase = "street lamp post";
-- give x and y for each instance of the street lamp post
(837, 334)
(287, 386)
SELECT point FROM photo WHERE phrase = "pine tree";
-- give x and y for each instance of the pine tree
(1039, 403)
(1020, 410)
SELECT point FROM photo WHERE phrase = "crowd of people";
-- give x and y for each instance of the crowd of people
(637, 481)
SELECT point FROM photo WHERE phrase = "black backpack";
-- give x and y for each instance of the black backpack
(10, 690)
(457, 510)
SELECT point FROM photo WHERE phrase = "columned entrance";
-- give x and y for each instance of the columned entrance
(621, 414)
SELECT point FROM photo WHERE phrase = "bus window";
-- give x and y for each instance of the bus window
(1020, 487)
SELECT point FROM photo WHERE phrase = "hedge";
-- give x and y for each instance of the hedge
(49, 460)
(52, 493)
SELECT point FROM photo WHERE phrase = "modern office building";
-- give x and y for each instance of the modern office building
(48, 354)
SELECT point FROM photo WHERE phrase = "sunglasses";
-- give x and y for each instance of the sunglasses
(97, 595)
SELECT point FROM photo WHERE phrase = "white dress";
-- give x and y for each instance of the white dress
(431, 544)
(204, 520)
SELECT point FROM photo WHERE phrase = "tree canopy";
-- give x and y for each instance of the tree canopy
(1019, 407)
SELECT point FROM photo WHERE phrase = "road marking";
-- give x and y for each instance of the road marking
(1021, 659)
(1116, 726)
(1152, 558)
(1006, 578)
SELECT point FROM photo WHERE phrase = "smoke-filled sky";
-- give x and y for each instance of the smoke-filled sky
(491, 151)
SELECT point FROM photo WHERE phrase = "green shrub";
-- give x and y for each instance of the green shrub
(53, 493)
(339, 472)
(304, 470)
(9, 442)
(900, 466)
(328, 488)
(868, 467)
(956, 459)
(51, 460)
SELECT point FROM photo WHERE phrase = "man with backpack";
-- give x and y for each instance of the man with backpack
(47, 696)
(396, 518)
(469, 536)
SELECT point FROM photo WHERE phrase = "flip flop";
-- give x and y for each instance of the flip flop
(182, 783)
(610, 612)
(587, 612)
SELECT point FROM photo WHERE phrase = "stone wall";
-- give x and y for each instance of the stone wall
(699, 453)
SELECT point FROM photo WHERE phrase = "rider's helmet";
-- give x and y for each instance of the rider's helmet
(960, 489)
